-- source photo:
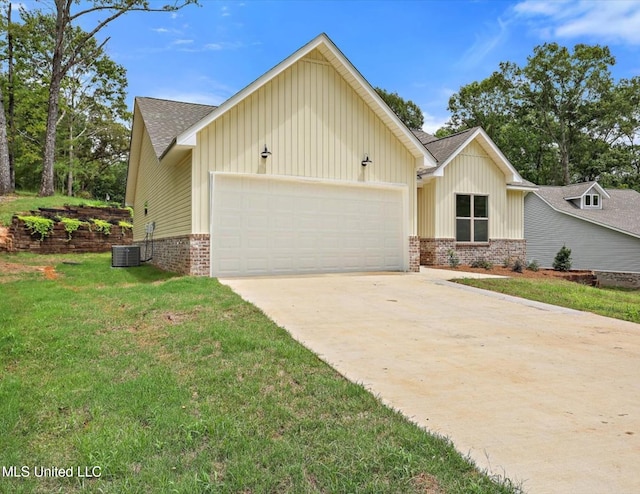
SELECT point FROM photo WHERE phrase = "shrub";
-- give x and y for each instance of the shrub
(124, 226)
(454, 260)
(533, 265)
(102, 226)
(518, 266)
(38, 224)
(482, 263)
(71, 225)
(562, 261)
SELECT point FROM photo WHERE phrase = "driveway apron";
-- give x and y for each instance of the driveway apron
(548, 397)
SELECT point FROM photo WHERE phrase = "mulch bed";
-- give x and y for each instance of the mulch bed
(574, 275)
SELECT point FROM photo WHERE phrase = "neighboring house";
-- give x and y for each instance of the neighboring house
(307, 170)
(601, 227)
(472, 203)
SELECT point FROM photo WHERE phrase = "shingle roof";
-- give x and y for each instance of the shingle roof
(423, 136)
(165, 119)
(442, 148)
(576, 190)
(619, 211)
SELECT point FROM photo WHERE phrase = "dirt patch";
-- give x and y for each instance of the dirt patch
(578, 276)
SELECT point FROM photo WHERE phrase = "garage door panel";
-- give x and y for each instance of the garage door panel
(271, 225)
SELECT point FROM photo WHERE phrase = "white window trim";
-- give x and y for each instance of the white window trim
(593, 197)
(471, 218)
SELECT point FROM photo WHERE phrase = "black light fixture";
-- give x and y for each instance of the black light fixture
(366, 161)
(265, 153)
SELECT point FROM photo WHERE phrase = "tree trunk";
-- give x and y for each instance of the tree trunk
(11, 127)
(5, 175)
(70, 176)
(57, 73)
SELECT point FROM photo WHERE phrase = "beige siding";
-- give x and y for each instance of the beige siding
(314, 124)
(515, 214)
(473, 172)
(427, 210)
(166, 190)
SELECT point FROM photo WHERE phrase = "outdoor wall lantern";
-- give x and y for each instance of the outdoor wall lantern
(265, 152)
(366, 161)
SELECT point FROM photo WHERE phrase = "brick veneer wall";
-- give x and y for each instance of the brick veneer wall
(435, 251)
(414, 254)
(85, 239)
(187, 254)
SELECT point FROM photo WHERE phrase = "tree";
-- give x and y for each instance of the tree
(7, 183)
(69, 52)
(407, 110)
(558, 118)
(5, 170)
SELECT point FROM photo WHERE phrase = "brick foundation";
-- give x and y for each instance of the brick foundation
(187, 254)
(190, 254)
(435, 251)
(414, 254)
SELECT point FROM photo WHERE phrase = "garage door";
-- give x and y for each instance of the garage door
(270, 225)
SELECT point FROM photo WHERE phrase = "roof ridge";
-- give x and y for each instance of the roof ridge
(176, 101)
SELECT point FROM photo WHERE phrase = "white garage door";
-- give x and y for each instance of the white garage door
(267, 225)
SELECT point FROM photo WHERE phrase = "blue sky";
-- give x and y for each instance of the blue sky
(423, 50)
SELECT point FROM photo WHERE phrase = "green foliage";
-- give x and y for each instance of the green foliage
(71, 225)
(453, 259)
(533, 266)
(113, 367)
(130, 209)
(562, 261)
(102, 226)
(619, 304)
(560, 118)
(407, 110)
(125, 225)
(38, 224)
(29, 201)
(482, 263)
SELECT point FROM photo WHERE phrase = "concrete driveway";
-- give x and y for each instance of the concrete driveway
(546, 396)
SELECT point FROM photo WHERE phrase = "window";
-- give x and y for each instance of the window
(592, 201)
(472, 218)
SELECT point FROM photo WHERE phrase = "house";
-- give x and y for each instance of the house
(307, 170)
(600, 226)
(471, 203)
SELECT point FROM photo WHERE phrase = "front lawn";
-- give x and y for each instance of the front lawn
(141, 381)
(621, 304)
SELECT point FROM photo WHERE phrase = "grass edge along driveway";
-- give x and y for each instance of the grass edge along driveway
(175, 384)
(609, 302)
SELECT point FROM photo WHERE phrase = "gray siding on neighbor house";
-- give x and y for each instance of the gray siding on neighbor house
(592, 246)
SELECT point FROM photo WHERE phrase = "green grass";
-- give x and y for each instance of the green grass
(28, 201)
(175, 384)
(617, 303)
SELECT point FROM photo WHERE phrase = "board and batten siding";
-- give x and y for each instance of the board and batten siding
(473, 172)
(165, 189)
(592, 246)
(314, 124)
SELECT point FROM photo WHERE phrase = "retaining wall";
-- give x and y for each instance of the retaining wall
(59, 241)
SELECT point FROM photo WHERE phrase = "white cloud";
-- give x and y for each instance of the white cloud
(612, 21)
(224, 11)
(160, 30)
(182, 42)
(432, 122)
(485, 45)
(223, 45)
